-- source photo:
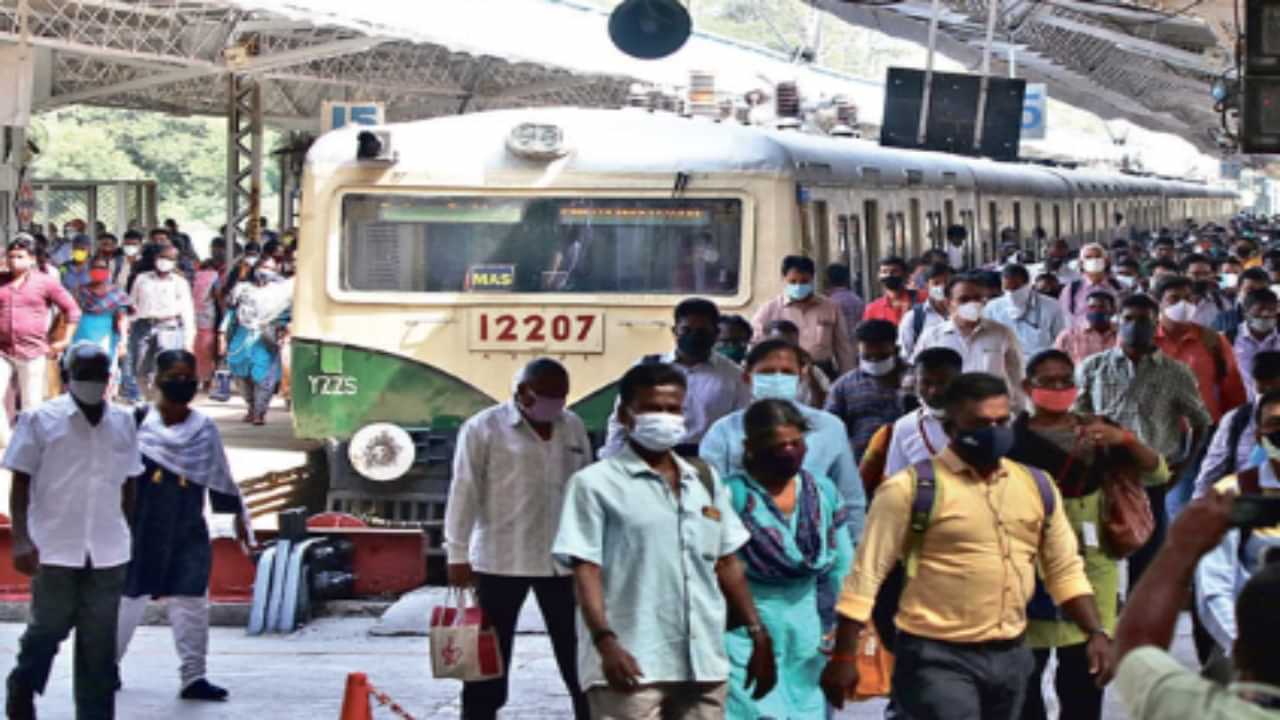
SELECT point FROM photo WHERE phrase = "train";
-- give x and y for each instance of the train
(436, 257)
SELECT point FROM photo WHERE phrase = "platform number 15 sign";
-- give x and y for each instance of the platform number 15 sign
(1034, 106)
(338, 114)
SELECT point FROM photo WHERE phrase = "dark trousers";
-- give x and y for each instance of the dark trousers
(936, 680)
(87, 600)
(1139, 561)
(1079, 697)
(501, 597)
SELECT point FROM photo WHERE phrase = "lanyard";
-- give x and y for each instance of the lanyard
(924, 433)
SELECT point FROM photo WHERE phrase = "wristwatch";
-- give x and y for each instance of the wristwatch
(601, 634)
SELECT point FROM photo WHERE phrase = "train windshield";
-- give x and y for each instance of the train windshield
(537, 244)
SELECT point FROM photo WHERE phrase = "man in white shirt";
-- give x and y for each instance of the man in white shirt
(984, 344)
(925, 315)
(919, 434)
(510, 469)
(71, 460)
(163, 315)
(1036, 320)
(714, 382)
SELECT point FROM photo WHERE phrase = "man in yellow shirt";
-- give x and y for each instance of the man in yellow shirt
(962, 615)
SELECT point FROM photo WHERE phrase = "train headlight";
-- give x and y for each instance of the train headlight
(537, 141)
(381, 452)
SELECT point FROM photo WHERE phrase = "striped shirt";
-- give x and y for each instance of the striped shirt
(508, 491)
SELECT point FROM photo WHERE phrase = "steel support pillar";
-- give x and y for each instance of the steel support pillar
(993, 9)
(935, 8)
(244, 159)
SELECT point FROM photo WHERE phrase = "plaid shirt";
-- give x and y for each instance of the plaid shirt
(864, 405)
(1149, 399)
(1081, 341)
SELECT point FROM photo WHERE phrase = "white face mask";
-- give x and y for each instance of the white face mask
(878, 368)
(1126, 281)
(131, 250)
(657, 432)
(938, 293)
(970, 311)
(1020, 296)
(88, 392)
(1180, 312)
(164, 265)
(1094, 265)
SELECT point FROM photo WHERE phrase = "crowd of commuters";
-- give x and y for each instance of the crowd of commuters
(107, 505)
(977, 468)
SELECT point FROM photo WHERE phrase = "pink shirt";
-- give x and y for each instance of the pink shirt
(24, 313)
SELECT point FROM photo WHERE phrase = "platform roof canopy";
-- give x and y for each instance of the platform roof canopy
(1116, 59)
(1130, 60)
(168, 55)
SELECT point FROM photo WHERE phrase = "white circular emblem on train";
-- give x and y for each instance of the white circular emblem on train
(536, 141)
(381, 452)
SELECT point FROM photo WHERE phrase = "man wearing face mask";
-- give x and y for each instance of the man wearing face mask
(1206, 297)
(1096, 334)
(986, 345)
(1037, 320)
(1056, 261)
(871, 396)
(823, 332)
(163, 315)
(1144, 390)
(714, 382)
(961, 619)
(919, 434)
(71, 460)
(1094, 266)
(510, 467)
(130, 253)
(933, 311)
(897, 299)
(1230, 321)
(651, 539)
(1205, 352)
(772, 370)
(735, 337)
(75, 271)
(1258, 333)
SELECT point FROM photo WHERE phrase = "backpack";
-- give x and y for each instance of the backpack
(1235, 431)
(922, 507)
(1248, 482)
(917, 319)
(1209, 338)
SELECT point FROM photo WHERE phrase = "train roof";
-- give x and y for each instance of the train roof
(632, 141)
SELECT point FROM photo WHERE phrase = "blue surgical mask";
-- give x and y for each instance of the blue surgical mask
(799, 292)
(778, 386)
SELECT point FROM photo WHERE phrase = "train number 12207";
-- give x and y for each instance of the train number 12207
(568, 331)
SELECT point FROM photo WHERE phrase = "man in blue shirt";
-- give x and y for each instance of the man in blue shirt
(772, 369)
(651, 539)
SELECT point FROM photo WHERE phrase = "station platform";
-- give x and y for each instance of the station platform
(302, 676)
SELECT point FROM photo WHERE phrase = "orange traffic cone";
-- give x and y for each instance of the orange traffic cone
(355, 704)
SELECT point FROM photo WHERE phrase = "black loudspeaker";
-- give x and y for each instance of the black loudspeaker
(650, 29)
(953, 113)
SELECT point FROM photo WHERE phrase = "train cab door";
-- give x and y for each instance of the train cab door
(872, 242)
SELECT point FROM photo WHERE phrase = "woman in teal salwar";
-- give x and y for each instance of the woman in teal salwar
(257, 322)
(797, 530)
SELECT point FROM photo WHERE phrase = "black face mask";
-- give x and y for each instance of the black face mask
(781, 462)
(1139, 334)
(893, 283)
(697, 344)
(179, 392)
(1202, 287)
(984, 447)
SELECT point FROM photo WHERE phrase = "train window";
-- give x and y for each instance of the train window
(903, 247)
(1017, 220)
(821, 232)
(892, 227)
(537, 244)
(949, 179)
(842, 234)
(857, 254)
(871, 211)
(915, 177)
